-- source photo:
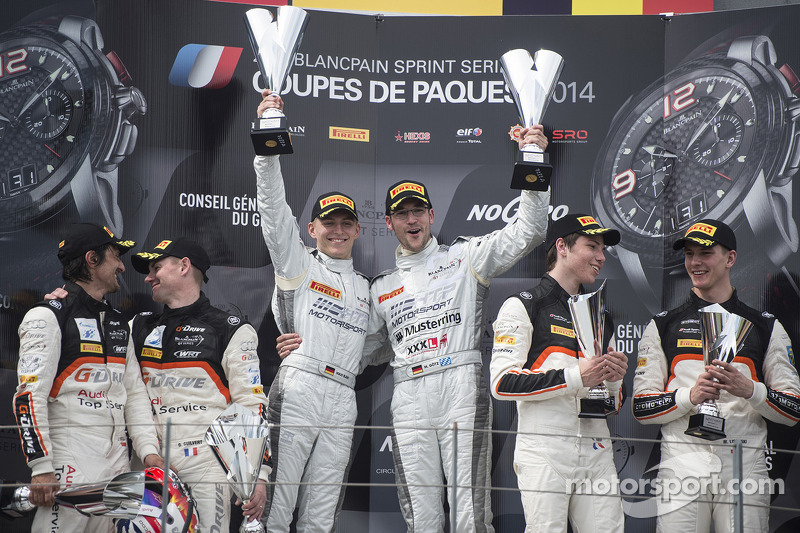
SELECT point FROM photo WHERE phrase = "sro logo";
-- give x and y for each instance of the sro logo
(570, 135)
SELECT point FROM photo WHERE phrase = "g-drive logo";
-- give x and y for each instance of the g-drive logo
(204, 66)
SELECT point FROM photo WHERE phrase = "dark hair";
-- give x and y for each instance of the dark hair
(77, 269)
(552, 253)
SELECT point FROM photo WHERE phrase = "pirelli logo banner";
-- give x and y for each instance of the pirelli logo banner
(348, 134)
(91, 347)
(708, 229)
(503, 339)
(151, 352)
(407, 187)
(586, 221)
(558, 330)
(324, 289)
(328, 200)
(383, 297)
(690, 343)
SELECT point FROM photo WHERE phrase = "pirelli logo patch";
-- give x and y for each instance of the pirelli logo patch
(151, 352)
(163, 244)
(91, 348)
(558, 330)
(407, 187)
(336, 199)
(348, 134)
(258, 390)
(690, 343)
(585, 221)
(503, 339)
(324, 289)
(383, 297)
(28, 379)
(640, 362)
(708, 229)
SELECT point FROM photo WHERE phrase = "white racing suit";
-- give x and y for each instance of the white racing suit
(670, 360)
(432, 307)
(195, 361)
(312, 401)
(535, 363)
(74, 370)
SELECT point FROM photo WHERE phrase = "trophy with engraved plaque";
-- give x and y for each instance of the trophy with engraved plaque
(275, 41)
(239, 439)
(531, 81)
(722, 334)
(588, 321)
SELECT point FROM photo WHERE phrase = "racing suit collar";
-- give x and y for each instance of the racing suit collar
(191, 309)
(336, 265)
(407, 260)
(549, 281)
(83, 296)
(698, 302)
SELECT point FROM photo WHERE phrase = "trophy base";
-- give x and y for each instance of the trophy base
(532, 172)
(270, 136)
(708, 427)
(592, 408)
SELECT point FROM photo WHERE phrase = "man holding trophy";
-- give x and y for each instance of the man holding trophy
(538, 362)
(673, 379)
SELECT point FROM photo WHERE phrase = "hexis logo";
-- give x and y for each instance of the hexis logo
(204, 66)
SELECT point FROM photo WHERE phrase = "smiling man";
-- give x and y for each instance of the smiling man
(671, 382)
(319, 296)
(431, 308)
(536, 361)
(196, 360)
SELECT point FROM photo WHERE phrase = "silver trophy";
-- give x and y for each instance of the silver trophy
(531, 81)
(14, 501)
(722, 334)
(119, 497)
(239, 439)
(588, 321)
(275, 41)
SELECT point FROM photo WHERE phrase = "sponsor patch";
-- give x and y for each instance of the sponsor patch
(790, 353)
(258, 390)
(640, 362)
(690, 343)
(585, 221)
(336, 199)
(708, 229)
(154, 337)
(163, 244)
(28, 379)
(526, 295)
(558, 330)
(151, 352)
(234, 320)
(324, 289)
(91, 348)
(28, 365)
(502, 339)
(54, 303)
(348, 134)
(383, 297)
(407, 187)
(88, 330)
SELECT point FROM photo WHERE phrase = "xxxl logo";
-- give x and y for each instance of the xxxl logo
(433, 343)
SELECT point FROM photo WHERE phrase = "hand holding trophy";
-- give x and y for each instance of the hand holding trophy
(275, 43)
(722, 334)
(531, 81)
(588, 321)
(239, 439)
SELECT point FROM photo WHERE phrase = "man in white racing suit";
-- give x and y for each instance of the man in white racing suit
(196, 360)
(537, 362)
(312, 404)
(431, 308)
(671, 381)
(78, 386)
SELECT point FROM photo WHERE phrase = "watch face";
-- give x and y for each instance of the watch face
(45, 112)
(689, 147)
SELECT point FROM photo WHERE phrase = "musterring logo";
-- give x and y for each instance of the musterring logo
(647, 498)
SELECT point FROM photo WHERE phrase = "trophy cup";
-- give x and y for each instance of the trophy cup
(531, 82)
(274, 44)
(588, 321)
(14, 501)
(239, 439)
(722, 334)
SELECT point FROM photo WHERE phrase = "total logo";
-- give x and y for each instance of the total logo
(469, 136)
(413, 137)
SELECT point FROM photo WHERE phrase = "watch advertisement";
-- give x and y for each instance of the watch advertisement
(139, 119)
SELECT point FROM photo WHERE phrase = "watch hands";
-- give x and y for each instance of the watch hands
(712, 114)
(46, 83)
(658, 175)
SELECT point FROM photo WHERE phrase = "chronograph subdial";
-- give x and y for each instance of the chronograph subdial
(719, 142)
(50, 115)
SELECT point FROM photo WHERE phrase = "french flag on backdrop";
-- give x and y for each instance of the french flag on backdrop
(188, 452)
(204, 66)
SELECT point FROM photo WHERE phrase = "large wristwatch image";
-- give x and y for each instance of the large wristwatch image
(65, 124)
(714, 138)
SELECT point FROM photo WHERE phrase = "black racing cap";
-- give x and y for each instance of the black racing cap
(403, 190)
(180, 248)
(84, 236)
(707, 233)
(579, 223)
(333, 201)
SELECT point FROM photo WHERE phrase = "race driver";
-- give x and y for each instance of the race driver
(537, 362)
(312, 404)
(671, 381)
(195, 360)
(431, 307)
(78, 388)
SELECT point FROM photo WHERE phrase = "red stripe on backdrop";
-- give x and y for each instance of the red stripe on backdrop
(654, 7)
